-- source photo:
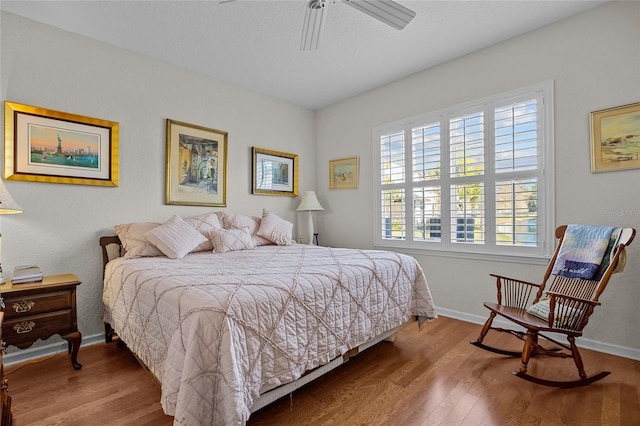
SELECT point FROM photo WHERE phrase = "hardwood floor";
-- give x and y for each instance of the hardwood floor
(110, 389)
(427, 377)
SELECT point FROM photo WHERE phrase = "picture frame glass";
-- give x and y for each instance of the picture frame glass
(274, 172)
(196, 167)
(343, 173)
(615, 138)
(78, 148)
(44, 145)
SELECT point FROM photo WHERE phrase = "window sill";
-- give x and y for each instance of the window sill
(490, 257)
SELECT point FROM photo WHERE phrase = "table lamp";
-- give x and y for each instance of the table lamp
(7, 206)
(309, 203)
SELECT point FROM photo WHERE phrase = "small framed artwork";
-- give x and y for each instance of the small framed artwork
(43, 145)
(615, 138)
(274, 172)
(343, 174)
(196, 165)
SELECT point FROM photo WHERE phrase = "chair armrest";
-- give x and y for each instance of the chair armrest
(568, 312)
(513, 292)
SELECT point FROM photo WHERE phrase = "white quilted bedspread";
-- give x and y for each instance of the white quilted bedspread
(219, 329)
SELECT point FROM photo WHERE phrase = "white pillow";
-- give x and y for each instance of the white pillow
(133, 240)
(175, 238)
(204, 223)
(226, 240)
(239, 221)
(542, 309)
(275, 229)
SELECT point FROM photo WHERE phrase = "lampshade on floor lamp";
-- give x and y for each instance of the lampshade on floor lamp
(309, 203)
(7, 206)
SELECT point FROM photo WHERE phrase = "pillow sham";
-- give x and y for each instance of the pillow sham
(225, 240)
(239, 221)
(204, 223)
(175, 238)
(275, 229)
(133, 240)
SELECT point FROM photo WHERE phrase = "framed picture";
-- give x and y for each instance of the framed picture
(343, 174)
(42, 145)
(615, 138)
(196, 167)
(274, 173)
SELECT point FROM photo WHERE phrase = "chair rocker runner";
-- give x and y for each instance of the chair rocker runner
(573, 282)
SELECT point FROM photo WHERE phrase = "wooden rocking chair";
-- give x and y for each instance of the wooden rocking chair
(562, 304)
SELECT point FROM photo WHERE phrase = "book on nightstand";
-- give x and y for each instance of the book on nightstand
(26, 274)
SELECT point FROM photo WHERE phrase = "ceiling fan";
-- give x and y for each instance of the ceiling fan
(387, 11)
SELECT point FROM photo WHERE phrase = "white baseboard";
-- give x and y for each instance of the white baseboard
(582, 342)
(37, 352)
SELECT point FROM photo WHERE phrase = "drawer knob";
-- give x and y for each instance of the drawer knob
(23, 306)
(24, 327)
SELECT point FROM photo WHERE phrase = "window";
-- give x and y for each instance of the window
(472, 178)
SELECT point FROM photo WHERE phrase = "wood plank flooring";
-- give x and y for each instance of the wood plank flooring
(429, 377)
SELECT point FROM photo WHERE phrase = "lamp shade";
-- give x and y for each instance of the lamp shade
(309, 202)
(7, 203)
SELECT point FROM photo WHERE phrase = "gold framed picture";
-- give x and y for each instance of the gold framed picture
(615, 138)
(43, 145)
(343, 173)
(274, 172)
(196, 165)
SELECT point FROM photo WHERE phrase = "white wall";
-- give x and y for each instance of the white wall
(61, 224)
(594, 60)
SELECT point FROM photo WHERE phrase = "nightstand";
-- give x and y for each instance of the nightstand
(39, 310)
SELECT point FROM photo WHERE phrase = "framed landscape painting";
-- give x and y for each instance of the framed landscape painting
(43, 145)
(343, 174)
(615, 138)
(196, 165)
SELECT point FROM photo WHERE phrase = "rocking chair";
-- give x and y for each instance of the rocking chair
(565, 299)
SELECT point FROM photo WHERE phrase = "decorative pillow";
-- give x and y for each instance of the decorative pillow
(175, 238)
(541, 310)
(226, 240)
(239, 221)
(133, 240)
(204, 223)
(275, 229)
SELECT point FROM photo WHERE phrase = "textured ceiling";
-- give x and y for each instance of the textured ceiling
(255, 44)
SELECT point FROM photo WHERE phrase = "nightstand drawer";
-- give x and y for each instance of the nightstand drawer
(22, 332)
(17, 307)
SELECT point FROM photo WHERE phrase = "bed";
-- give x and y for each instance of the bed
(227, 333)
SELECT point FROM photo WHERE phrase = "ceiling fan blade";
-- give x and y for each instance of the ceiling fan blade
(316, 12)
(387, 11)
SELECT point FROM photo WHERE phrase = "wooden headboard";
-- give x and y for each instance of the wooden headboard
(111, 249)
